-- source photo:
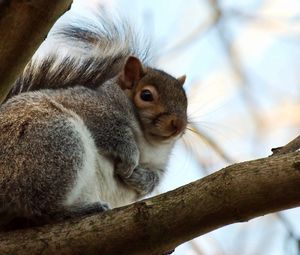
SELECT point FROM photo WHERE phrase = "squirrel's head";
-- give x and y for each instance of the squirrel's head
(159, 99)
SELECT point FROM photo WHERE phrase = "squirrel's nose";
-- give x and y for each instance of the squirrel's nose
(177, 124)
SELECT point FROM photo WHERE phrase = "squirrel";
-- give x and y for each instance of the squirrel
(81, 134)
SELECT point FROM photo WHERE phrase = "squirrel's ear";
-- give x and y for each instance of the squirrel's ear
(181, 79)
(132, 72)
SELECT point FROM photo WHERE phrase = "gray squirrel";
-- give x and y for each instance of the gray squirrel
(81, 134)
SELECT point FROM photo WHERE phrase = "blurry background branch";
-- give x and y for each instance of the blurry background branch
(23, 27)
(235, 62)
(212, 143)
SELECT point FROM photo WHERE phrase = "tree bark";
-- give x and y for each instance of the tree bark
(24, 24)
(153, 226)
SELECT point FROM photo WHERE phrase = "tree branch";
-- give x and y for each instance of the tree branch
(236, 193)
(23, 26)
(292, 146)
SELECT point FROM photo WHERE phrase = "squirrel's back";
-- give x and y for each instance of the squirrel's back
(36, 133)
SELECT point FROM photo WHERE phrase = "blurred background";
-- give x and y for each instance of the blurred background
(241, 59)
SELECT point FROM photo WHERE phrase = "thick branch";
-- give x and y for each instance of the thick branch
(234, 194)
(23, 26)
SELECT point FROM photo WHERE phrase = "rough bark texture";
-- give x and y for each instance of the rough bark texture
(236, 193)
(24, 24)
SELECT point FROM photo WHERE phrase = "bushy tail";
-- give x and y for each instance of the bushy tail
(83, 52)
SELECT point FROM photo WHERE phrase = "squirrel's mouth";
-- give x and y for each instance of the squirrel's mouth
(159, 139)
(164, 127)
(160, 136)
(165, 134)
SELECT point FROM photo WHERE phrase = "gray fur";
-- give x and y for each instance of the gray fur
(40, 154)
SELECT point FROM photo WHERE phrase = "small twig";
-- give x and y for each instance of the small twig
(292, 146)
(290, 230)
(196, 248)
(286, 224)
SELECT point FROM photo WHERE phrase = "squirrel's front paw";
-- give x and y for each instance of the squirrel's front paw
(143, 180)
(126, 158)
(125, 168)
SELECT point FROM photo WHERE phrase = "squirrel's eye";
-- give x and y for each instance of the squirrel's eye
(146, 95)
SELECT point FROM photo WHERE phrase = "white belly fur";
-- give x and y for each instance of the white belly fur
(96, 181)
